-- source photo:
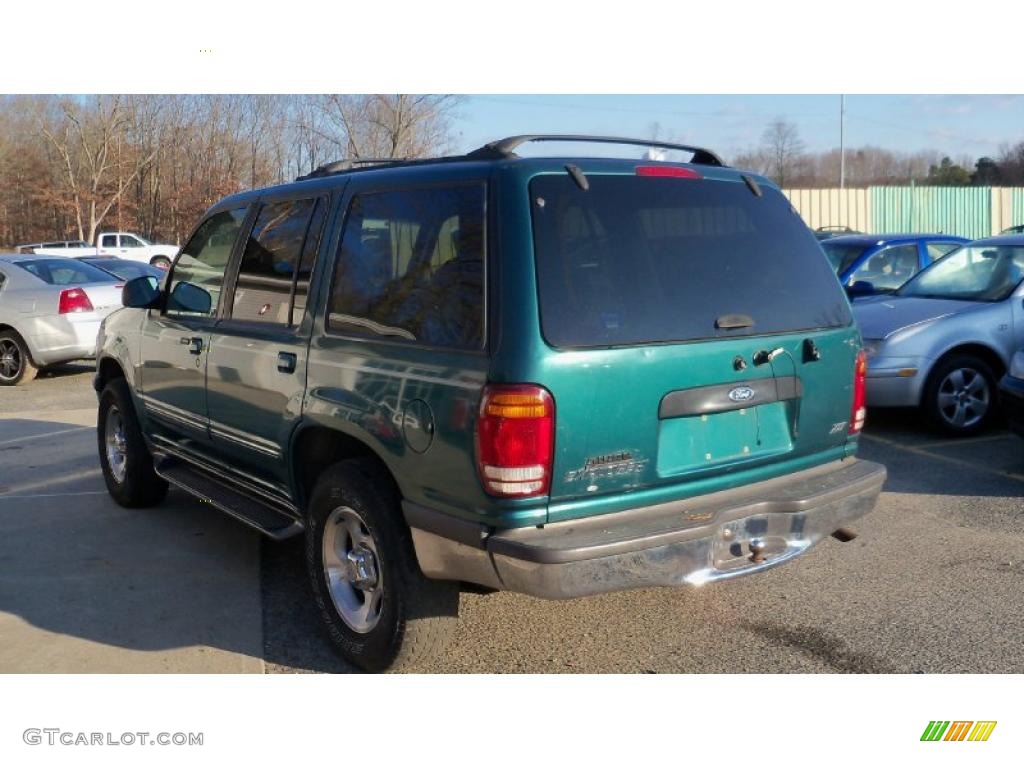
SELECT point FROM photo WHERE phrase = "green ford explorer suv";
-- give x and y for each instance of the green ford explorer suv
(556, 376)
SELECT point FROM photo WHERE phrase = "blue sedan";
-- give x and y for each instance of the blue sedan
(869, 264)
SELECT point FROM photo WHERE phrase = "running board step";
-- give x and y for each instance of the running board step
(254, 512)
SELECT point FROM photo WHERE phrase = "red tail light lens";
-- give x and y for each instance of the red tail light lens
(859, 411)
(515, 437)
(667, 171)
(74, 300)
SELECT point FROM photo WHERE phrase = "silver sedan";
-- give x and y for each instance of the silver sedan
(943, 340)
(50, 312)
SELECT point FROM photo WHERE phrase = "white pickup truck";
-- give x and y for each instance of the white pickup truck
(123, 245)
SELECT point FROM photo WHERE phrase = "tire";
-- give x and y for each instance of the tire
(131, 481)
(959, 397)
(16, 366)
(396, 618)
(160, 262)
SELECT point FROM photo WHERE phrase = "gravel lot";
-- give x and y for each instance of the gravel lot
(932, 584)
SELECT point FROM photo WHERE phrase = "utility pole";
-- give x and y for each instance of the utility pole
(842, 143)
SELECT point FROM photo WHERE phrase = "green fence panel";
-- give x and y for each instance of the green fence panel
(964, 211)
(1017, 205)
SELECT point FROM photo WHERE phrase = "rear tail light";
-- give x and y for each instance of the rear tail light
(74, 300)
(670, 171)
(859, 410)
(515, 436)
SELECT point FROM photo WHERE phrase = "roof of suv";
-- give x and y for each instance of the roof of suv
(502, 153)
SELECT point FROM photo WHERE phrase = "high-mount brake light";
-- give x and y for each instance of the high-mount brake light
(667, 171)
(515, 435)
(859, 410)
(73, 300)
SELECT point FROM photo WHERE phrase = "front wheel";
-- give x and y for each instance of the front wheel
(959, 396)
(124, 458)
(379, 609)
(160, 262)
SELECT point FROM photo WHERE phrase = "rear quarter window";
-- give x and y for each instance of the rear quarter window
(63, 271)
(638, 260)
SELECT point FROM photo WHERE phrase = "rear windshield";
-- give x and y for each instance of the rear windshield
(842, 257)
(60, 271)
(638, 260)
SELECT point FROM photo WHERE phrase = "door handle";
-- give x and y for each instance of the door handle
(195, 344)
(286, 362)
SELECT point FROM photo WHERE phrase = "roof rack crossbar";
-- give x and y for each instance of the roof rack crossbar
(505, 148)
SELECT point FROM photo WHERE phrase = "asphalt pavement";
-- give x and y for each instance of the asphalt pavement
(931, 584)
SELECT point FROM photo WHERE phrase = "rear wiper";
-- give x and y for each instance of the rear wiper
(733, 322)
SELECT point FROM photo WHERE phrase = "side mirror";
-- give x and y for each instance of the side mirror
(186, 297)
(141, 292)
(860, 288)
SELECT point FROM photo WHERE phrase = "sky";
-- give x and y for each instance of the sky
(954, 125)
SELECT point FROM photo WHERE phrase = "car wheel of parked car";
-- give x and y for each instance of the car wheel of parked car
(15, 362)
(380, 611)
(160, 262)
(124, 458)
(959, 396)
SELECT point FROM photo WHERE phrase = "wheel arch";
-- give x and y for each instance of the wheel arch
(108, 369)
(984, 352)
(33, 356)
(315, 447)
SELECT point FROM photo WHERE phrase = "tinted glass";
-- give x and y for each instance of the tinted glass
(639, 260)
(127, 269)
(127, 241)
(309, 252)
(842, 257)
(202, 262)
(974, 273)
(61, 271)
(270, 263)
(888, 269)
(937, 250)
(108, 241)
(411, 266)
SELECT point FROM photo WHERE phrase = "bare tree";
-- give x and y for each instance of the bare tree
(94, 177)
(386, 125)
(783, 147)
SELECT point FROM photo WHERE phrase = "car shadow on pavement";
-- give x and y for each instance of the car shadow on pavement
(83, 580)
(60, 370)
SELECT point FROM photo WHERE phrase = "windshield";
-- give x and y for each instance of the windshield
(638, 260)
(842, 257)
(65, 271)
(973, 273)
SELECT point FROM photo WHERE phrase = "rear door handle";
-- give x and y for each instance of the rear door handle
(286, 362)
(195, 344)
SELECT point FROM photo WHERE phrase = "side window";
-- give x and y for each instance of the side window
(127, 241)
(888, 269)
(195, 282)
(411, 266)
(108, 241)
(273, 262)
(937, 250)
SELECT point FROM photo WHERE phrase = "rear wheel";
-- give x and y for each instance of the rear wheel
(379, 609)
(959, 396)
(15, 362)
(124, 458)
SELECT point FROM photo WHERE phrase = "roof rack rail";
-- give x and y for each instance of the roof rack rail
(350, 164)
(505, 148)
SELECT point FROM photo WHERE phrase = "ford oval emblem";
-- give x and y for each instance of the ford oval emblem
(741, 394)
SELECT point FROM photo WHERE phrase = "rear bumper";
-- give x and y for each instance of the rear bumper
(1011, 391)
(58, 338)
(693, 541)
